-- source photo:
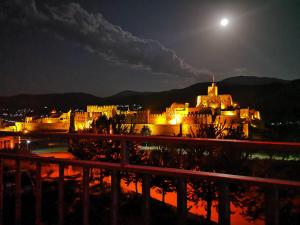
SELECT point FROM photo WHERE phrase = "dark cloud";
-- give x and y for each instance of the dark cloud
(96, 34)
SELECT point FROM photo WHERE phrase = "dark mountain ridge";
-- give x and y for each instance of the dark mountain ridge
(252, 80)
(278, 100)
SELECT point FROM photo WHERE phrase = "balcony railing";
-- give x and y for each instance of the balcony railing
(181, 175)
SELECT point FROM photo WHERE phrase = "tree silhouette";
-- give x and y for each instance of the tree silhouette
(145, 131)
(72, 122)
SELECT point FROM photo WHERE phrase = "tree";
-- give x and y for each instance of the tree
(104, 150)
(214, 159)
(164, 157)
(206, 190)
(145, 131)
(72, 122)
(102, 125)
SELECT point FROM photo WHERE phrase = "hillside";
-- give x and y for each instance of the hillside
(63, 101)
(276, 99)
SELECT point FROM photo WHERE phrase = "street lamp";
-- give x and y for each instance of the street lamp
(28, 142)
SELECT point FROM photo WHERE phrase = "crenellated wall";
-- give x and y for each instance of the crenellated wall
(99, 108)
(197, 118)
(139, 117)
(157, 119)
(108, 110)
(160, 129)
(179, 118)
(44, 126)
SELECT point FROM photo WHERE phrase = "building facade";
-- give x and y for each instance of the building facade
(9, 142)
(212, 110)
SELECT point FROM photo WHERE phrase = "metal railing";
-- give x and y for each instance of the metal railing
(223, 180)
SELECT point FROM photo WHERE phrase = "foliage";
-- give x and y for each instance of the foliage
(145, 131)
(113, 125)
(203, 190)
(209, 158)
(72, 122)
(214, 159)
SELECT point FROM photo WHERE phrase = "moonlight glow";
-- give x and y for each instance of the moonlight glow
(224, 22)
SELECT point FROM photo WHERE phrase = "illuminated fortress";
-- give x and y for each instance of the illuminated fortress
(178, 119)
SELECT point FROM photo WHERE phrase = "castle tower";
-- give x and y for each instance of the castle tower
(212, 90)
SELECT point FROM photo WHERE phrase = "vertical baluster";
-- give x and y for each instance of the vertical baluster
(224, 204)
(124, 153)
(86, 202)
(18, 194)
(61, 195)
(115, 188)
(181, 200)
(38, 195)
(146, 199)
(1, 191)
(272, 206)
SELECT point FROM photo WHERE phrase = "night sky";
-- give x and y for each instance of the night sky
(104, 47)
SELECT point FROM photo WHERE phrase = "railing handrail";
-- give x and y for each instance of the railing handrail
(222, 180)
(172, 172)
(248, 144)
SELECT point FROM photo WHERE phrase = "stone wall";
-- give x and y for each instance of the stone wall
(46, 126)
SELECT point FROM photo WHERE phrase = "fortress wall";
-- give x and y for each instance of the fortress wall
(81, 126)
(47, 120)
(188, 129)
(139, 117)
(160, 129)
(168, 129)
(46, 126)
(197, 119)
(80, 116)
(157, 119)
(97, 108)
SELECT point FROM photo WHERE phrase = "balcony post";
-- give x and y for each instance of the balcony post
(115, 188)
(181, 200)
(38, 195)
(272, 206)
(124, 153)
(146, 199)
(18, 193)
(86, 202)
(61, 185)
(224, 204)
(1, 191)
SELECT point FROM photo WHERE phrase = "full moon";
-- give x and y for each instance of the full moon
(224, 22)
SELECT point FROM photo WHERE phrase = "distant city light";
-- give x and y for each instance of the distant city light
(224, 22)
(28, 142)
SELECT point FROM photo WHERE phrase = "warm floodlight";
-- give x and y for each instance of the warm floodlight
(224, 22)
